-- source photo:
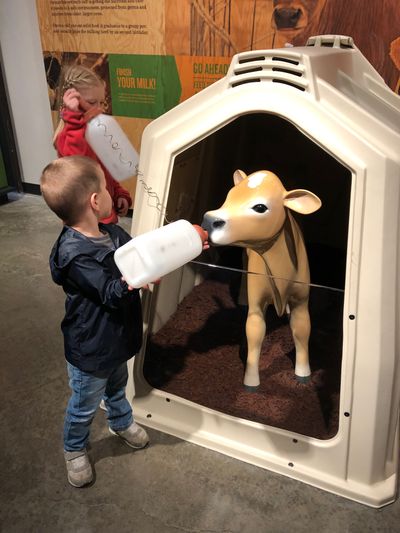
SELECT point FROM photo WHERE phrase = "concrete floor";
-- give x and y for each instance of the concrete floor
(170, 487)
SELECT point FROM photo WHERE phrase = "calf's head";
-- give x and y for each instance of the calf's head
(254, 209)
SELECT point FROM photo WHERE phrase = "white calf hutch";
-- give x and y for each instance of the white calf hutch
(322, 119)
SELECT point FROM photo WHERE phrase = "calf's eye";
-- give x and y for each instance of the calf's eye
(260, 208)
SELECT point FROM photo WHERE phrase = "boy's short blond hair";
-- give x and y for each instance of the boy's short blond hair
(67, 184)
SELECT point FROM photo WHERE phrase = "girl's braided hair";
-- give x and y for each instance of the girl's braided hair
(78, 77)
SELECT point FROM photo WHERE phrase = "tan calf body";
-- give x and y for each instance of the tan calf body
(256, 216)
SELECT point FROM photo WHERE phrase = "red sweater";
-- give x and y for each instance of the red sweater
(72, 141)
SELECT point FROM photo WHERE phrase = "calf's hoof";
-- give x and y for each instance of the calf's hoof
(251, 388)
(303, 379)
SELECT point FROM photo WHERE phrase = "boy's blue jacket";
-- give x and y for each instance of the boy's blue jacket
(102, 325)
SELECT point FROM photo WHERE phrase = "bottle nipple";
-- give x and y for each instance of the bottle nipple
(202, 233)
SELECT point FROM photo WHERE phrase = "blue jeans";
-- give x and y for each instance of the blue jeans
(88, 388)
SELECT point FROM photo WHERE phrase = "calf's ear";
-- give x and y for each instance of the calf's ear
(238, 176)
(302, 201)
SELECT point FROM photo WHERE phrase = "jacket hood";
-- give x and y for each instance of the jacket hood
(70, 244)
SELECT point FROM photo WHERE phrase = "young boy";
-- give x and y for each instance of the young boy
(102, 326)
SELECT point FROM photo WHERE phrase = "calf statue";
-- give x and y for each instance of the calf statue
(256, 216)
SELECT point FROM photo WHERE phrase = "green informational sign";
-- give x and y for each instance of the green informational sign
(143, 86)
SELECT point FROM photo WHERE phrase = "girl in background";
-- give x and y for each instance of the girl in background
(83, 97)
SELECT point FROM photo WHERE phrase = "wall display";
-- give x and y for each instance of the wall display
(154, 54)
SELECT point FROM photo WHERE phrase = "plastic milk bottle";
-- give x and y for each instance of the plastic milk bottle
(109, 142)
(154, 254)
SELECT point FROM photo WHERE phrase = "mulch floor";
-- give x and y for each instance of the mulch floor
(199, 355)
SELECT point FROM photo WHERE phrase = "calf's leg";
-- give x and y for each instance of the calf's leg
(257, 294)
(255, 333)
(301, 327)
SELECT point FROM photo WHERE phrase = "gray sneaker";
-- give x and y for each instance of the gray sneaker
(134, 436)
(79, 469)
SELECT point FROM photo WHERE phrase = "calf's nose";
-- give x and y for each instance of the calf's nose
(287, 18)
(210, 223)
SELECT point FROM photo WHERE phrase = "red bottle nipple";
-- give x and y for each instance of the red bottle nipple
(202, 232)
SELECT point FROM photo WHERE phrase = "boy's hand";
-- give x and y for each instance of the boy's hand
(129, 287)
(122, 206)
(203, 236)
(145, 287)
